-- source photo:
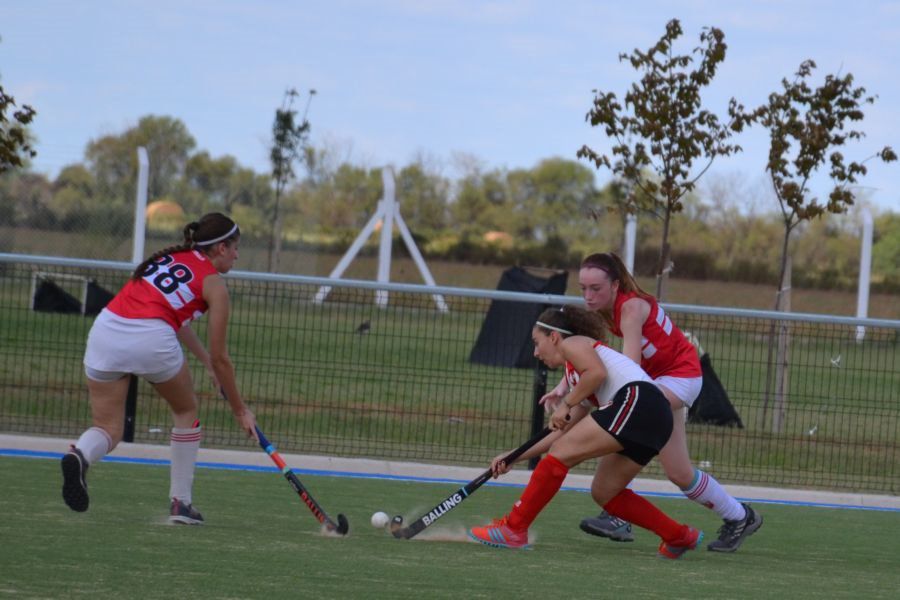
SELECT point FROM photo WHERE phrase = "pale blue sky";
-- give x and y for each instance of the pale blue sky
(508, 82)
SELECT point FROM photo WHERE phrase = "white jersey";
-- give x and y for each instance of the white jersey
(620, 371)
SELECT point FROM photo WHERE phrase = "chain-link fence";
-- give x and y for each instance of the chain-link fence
(344, 377)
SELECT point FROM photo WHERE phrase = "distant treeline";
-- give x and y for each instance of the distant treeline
(550, 215)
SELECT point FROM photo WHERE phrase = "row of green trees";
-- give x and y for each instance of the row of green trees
(331, 202)
(549, 215)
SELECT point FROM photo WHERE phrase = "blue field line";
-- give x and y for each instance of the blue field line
(12, 452)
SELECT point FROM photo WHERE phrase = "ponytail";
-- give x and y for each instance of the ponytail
(141, 268)
(202, 235)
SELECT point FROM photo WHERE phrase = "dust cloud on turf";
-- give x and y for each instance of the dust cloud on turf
(445, 532)
(324, 531)
(449, 533)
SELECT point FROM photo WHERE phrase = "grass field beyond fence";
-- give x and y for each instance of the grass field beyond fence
(406, 390)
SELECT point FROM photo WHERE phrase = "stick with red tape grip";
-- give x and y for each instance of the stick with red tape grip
(342, 526)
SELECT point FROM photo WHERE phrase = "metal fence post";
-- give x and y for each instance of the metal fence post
(130, 409)
(140, 207)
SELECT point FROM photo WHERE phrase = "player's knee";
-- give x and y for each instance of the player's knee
(185, 410)
(600, 495)
(564, 453)
(680, 475)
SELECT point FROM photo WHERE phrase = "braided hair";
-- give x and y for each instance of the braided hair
(573, 319)
(202, 235)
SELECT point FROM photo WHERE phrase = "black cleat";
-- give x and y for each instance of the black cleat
(184, 514)
(74, 490)
(608, 526)
(733, 533)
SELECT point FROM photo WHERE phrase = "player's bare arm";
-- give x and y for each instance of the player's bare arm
(634, 313)
(215, 293)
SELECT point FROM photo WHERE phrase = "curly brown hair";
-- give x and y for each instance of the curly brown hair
(575, 320)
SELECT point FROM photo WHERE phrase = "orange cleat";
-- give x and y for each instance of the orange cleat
(690, 538)
(499, 535)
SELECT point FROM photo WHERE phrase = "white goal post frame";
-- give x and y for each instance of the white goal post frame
(387, 213)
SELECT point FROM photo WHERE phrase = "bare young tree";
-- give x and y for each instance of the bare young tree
(807, 128)
(289, 138)
(663, 128)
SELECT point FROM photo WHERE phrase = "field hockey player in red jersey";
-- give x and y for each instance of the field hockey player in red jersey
(652, 339)
(629, 421)
(140, 333)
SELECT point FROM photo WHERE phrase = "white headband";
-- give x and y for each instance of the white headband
(218, 239)
(551, 327)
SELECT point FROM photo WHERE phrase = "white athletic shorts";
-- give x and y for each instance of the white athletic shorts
(685, 389)
(117, 346)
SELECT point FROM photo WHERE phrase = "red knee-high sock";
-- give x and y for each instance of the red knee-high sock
(638, 510)
(545, 481)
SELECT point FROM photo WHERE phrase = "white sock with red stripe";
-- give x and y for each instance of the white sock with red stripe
(705, 490)
(94, 444)
(185, 446)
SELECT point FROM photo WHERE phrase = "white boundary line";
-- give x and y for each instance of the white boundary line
(329, 465)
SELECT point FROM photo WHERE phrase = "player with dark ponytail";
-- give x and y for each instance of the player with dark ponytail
(652, 339)
(140, 332)
(630, 421)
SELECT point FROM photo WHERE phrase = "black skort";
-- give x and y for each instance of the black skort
(640, 418)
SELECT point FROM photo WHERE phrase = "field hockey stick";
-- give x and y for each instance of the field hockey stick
(342, 525)
(453, 500)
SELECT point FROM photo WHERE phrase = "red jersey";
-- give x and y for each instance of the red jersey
(171, 289)
(664, 349)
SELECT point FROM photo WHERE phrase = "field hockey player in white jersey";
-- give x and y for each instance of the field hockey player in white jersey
(628, 422)
(652, 339)
(140, 333)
